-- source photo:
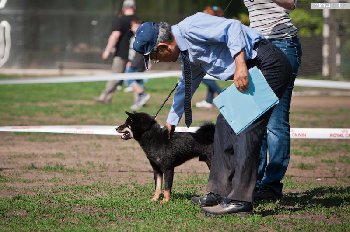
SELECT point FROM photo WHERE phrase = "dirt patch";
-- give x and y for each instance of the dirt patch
(29, 164)
(320, 102)
(43, 161)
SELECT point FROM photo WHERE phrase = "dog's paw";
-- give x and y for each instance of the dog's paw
(165, 201)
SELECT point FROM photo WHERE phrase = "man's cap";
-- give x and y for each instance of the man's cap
(129, 3)
(146, 39)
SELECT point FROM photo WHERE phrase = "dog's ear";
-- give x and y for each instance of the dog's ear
(128, 113)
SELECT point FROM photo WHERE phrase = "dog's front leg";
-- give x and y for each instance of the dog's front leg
(168, 183)
(158, 181)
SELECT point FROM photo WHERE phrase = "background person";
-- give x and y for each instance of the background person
(119, 41)
(232, 177)
(136, 64)
(271, 19)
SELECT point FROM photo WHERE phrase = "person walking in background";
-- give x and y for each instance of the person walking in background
(213, 89)
(136, 64)
(212, 86)
(271, 19)
(119, 41)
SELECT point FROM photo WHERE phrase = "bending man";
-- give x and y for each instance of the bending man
(224, 49)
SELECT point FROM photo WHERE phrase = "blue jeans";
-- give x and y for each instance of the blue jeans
(277, 137)
(212, 89)
(132, 70)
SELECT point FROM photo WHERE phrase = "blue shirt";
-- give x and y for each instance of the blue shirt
(212, 43)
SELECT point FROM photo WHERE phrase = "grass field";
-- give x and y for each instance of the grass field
(86, 183)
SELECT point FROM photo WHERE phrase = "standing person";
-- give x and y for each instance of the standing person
(271, 18)
(118, 40)
(136, 64)
(221, 48)
(213, 88)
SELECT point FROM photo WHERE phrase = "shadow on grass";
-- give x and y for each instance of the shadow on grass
(325, 197)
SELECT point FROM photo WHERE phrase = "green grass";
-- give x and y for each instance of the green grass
(73, 102)
(344, 159)
(54, 168)
(306, 166)
(108, 207)
(328, 161)
(12, 76)
(310, 148)
(104, 205)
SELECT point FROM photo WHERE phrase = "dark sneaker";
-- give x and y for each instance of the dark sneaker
(210, 199)
(261, 194)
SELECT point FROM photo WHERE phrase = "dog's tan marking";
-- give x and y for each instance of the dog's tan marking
(158, 189)
(167, 194)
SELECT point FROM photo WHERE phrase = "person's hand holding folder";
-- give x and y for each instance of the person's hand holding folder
(240, 78)
(240, 109)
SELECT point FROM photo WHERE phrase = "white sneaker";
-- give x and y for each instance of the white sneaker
(204, 104)
(128, 89)
(144, 99)
(135, 107)
(140, 102)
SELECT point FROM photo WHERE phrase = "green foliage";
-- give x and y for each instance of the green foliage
(309, 23)
(244, 18)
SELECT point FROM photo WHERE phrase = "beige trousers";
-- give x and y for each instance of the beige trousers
(118, 66)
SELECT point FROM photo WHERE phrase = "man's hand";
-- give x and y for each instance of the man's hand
(241, 73)
(105, 55)
(112, 41)
(171, 129)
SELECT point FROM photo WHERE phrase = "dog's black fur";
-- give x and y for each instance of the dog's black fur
(163, 153)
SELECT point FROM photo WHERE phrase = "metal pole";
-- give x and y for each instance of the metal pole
(325, 46)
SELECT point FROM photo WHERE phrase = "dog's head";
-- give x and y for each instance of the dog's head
(135, 125)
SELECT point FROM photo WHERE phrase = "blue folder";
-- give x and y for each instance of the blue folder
(241, 109)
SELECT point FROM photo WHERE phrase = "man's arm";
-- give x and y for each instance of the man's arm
(241, 73)
(286, 4)
(177, 107)
(112, 41)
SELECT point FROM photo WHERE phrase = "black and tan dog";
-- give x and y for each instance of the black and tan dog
(163, 153)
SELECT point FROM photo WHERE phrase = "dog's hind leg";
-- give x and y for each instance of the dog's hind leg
(158, 181)
(168, 183)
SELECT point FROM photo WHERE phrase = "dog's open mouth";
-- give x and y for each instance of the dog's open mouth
(126, 135)
(125, 131)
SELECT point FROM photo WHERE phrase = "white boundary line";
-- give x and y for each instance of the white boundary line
(322, 84)
(149, 75)
(91, 78)
(296, 133)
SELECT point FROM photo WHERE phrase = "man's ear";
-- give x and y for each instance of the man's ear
(162, 47)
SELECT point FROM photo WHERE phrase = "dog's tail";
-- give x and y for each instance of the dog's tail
(205, 134)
